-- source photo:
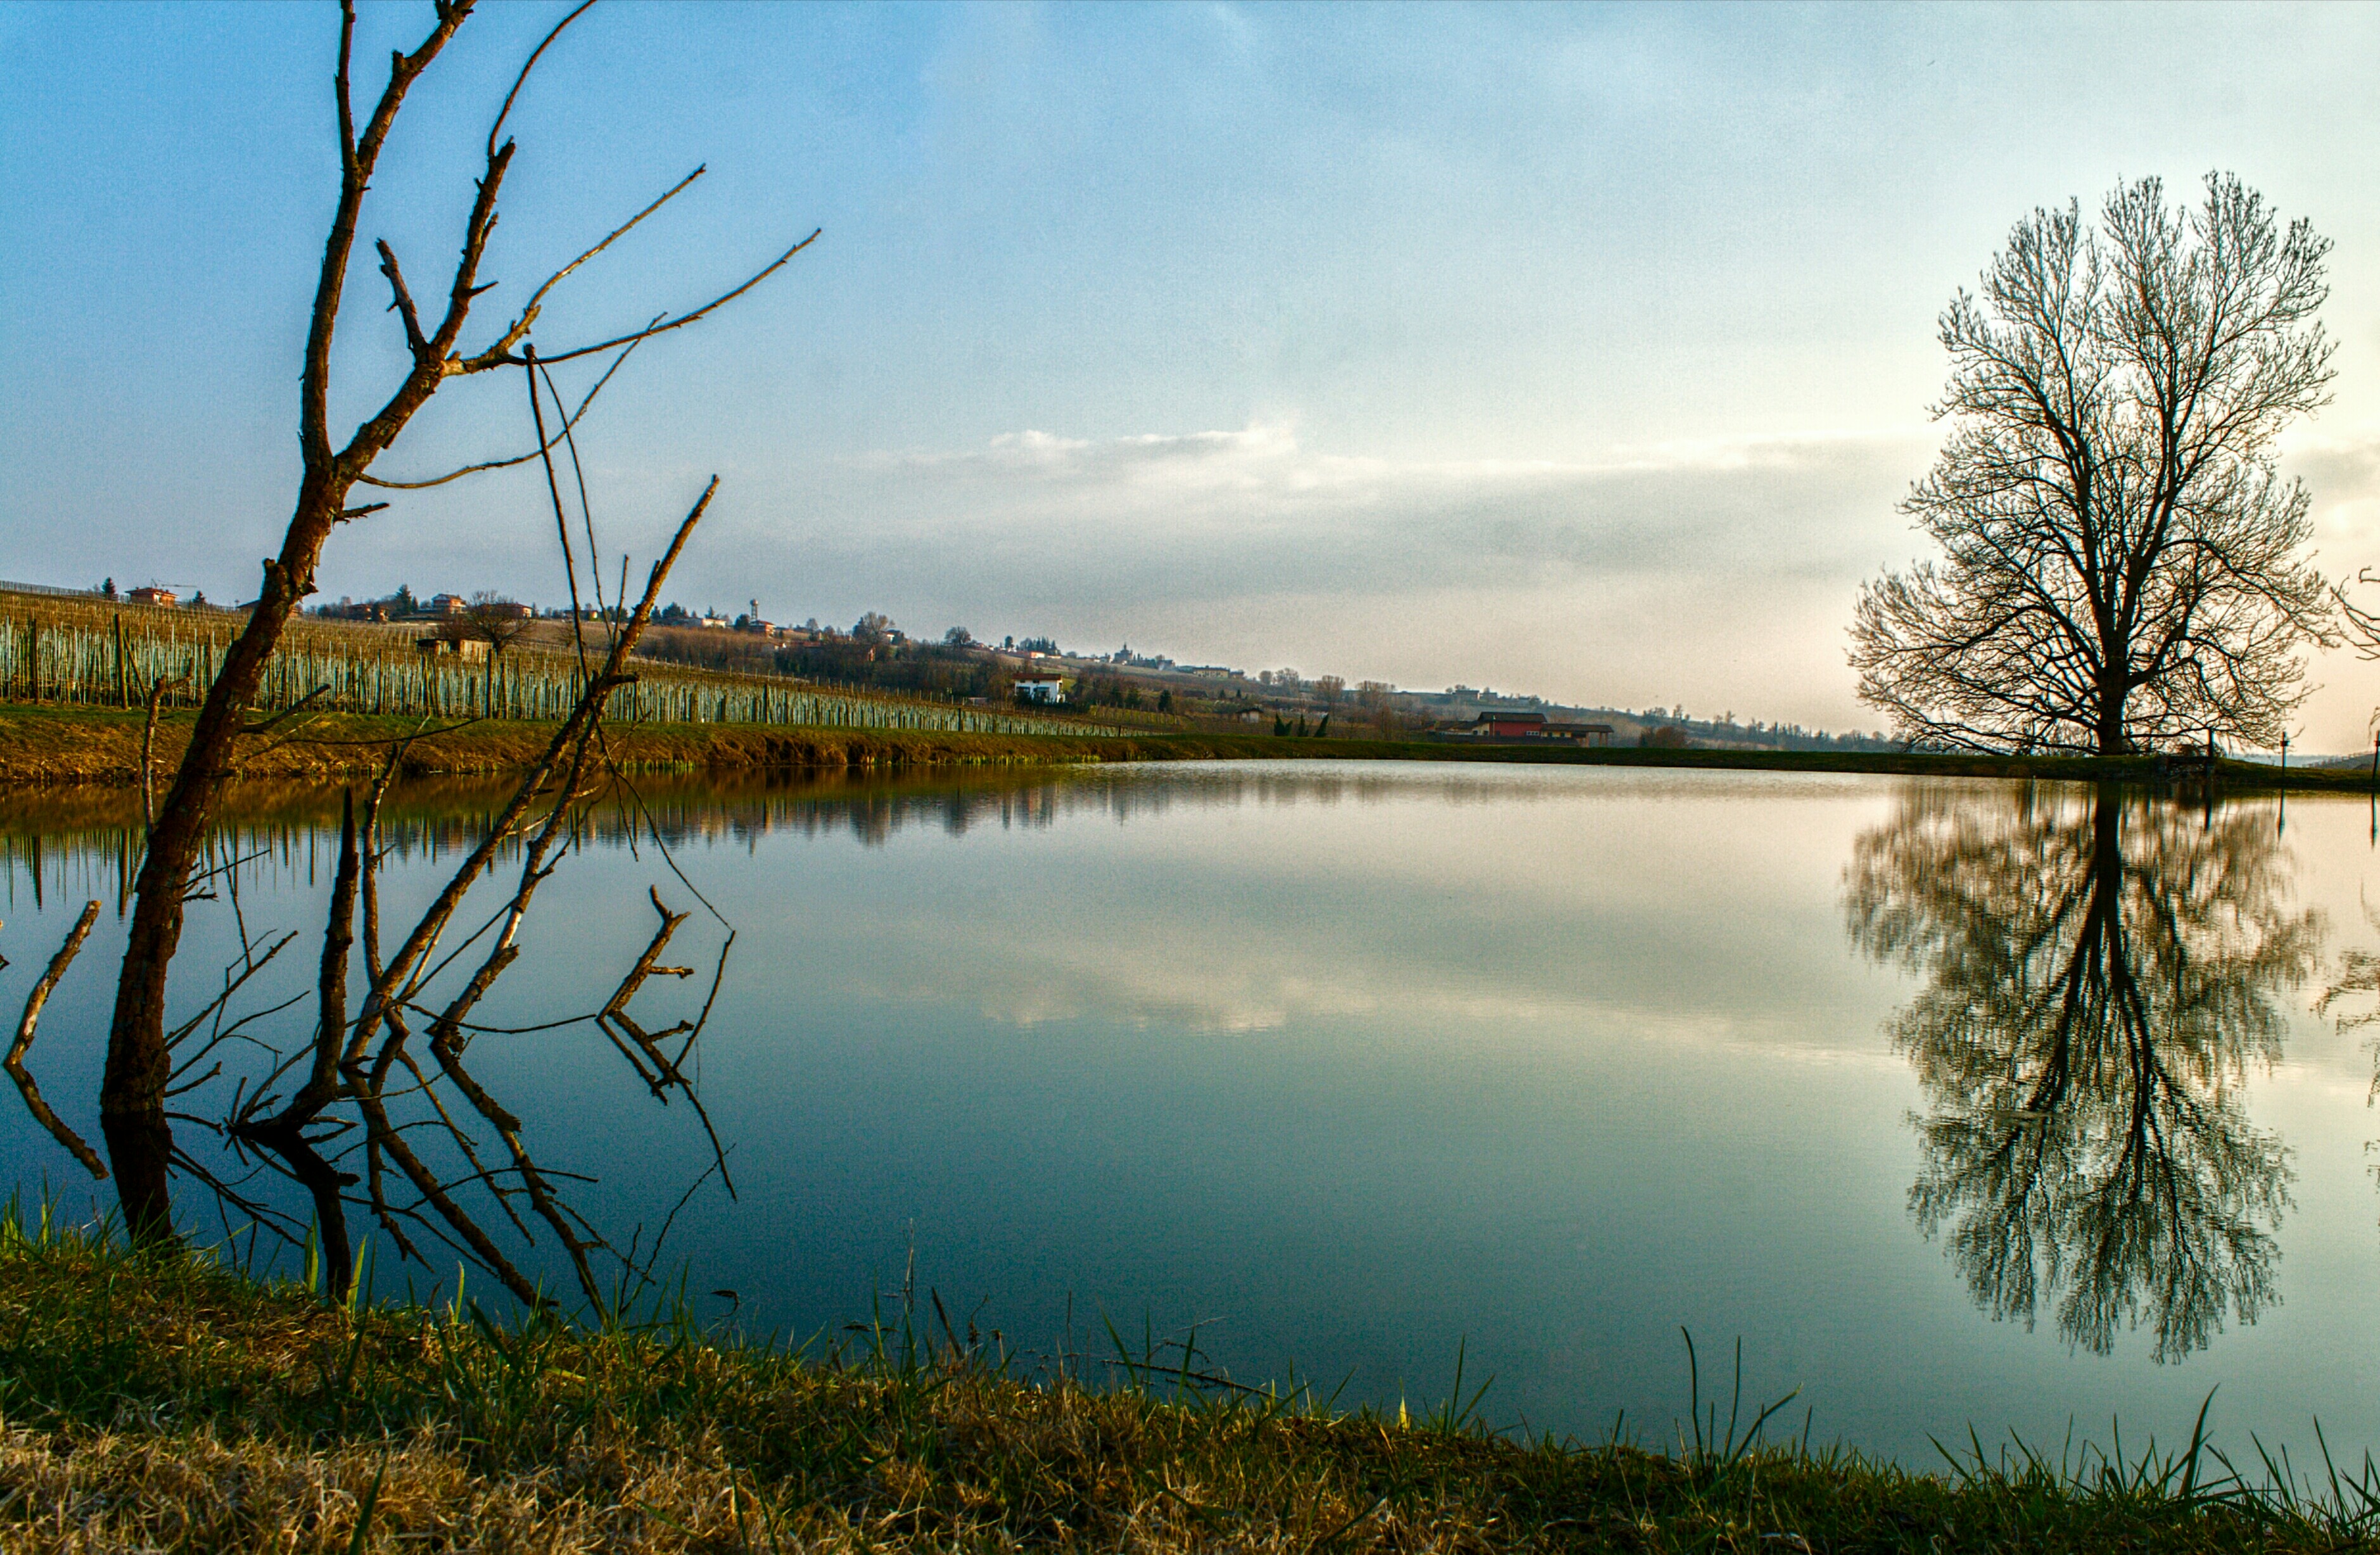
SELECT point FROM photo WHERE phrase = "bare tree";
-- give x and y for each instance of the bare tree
(490, 618)
(354, 1091)
(2121, 559)
(132, 1096)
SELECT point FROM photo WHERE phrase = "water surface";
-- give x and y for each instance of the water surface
(1958, 1103)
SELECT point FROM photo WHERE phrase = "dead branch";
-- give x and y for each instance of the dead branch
(402, 299)
(528, 65)
(15, 1063)
(497, 354)
(560, 777)
(682, 320)
(157, 690)
(544, 447)
(322, 1084)
(615, 1013)
(561, 519)
(266, 725)
(248, 968)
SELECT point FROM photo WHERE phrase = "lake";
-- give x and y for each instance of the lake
(1956, 1102)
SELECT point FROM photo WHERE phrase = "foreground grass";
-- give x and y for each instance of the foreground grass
(169, 1404)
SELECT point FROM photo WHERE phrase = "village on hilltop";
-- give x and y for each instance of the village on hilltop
(1035, 672)
(1124, 687)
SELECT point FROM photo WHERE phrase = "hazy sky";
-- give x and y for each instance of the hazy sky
(1578, 351)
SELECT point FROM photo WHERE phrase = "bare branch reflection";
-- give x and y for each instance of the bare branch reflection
(2354, 997)
(2102, 975)
(339, 1103)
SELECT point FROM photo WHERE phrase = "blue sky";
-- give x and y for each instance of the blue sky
(1581, 350)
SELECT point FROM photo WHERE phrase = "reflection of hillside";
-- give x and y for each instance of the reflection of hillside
(84, 838)
(2100, 977)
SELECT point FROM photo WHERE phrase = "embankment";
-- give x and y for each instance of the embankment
(100, 746)
(159, 1400)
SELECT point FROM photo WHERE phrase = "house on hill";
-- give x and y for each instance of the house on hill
(1040, 689)
(152, 596)
(1536, 726)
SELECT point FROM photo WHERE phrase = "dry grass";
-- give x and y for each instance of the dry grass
(168, 1403)
(49, 746)
(53, 745)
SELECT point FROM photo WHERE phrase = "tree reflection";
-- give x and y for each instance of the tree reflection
(2101, 975)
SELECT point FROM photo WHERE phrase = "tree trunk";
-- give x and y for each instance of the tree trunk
(2112, 741)
(132, 1091)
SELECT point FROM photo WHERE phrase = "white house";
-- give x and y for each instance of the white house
(1040, 689)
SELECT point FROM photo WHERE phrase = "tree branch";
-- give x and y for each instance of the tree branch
(681, 322)
(500, 354)
(542, 449)
(403, 304)
(528, 65)
(15, 1063)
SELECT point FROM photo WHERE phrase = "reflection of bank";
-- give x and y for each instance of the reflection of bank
(2100, 976)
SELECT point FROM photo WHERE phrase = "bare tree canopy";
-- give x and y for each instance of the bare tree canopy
(491, 618)
(2122, 561)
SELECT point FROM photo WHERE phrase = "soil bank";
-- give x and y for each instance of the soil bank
(98, 746)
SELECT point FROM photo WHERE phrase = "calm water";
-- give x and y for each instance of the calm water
(1958, 1103)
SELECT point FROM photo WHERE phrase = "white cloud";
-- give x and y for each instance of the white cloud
(1717, 572)
(1819, 505)
(1635, 574)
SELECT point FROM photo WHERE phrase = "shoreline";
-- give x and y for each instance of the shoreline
(81, 748)
(175, 1402)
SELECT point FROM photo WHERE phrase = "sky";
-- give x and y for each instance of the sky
(1585, 351)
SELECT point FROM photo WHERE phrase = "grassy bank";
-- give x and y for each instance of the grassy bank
(170, 1403)
(102, 746)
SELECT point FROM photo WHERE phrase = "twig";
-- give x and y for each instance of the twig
(15, 1063)
(684, 319)
(454, 475)
(157, 690)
